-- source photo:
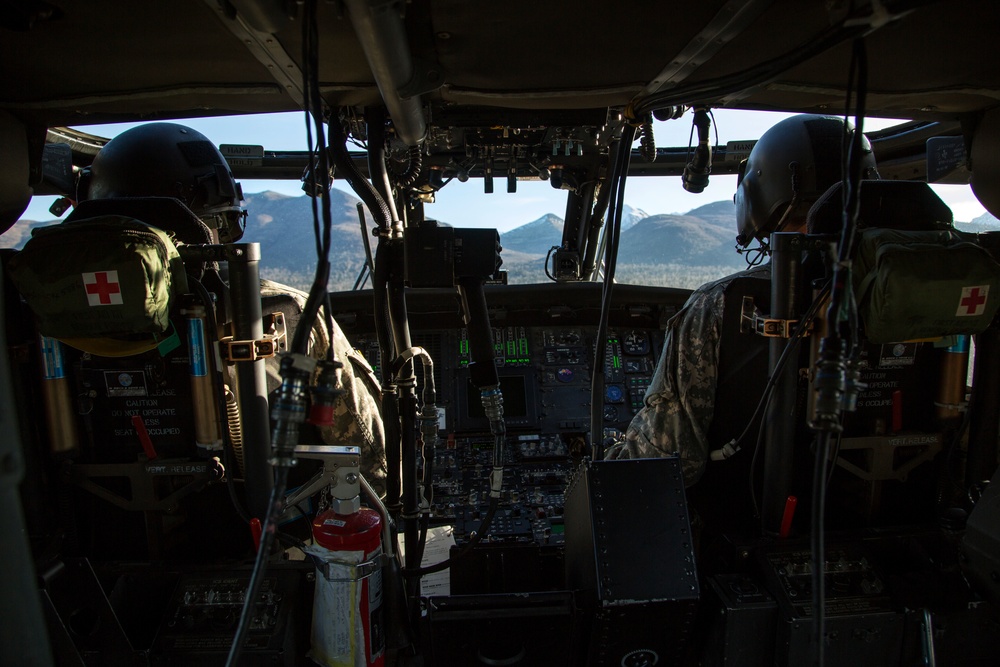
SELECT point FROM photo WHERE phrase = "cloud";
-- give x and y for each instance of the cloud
(962, 201)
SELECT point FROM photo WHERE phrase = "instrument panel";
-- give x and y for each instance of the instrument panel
(545, 376)
(544, 342)
(544, 350)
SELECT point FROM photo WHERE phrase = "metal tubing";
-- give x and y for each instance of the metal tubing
(251, 383)
(411, 491)
(406, 384)
(397, 309)
(393, 453)
(984, 404)
(60, 415)
(380, 30)
(390, 398)
(204, 399)
(984, 418)
(779, 440)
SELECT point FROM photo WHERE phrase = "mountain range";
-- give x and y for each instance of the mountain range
(679, 250)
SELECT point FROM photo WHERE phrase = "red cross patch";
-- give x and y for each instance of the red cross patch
(973, 301)
(102, 288)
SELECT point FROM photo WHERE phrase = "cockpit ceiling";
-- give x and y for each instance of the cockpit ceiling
(75, 63)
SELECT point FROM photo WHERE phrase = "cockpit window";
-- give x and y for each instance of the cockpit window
(670, 237)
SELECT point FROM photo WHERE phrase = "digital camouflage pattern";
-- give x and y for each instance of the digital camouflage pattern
(680, 401)
(358, 413)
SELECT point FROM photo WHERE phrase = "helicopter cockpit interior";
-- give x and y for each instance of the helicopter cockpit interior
(204, 466)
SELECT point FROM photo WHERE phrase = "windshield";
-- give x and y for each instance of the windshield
(670, 237)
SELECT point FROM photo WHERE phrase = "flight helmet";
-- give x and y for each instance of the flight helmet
(789, 167)
(171, 160)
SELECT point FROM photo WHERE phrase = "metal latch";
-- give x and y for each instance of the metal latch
(339, 571)
(751, 321)
(270, 344)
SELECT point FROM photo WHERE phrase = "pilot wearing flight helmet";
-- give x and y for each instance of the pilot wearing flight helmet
(791, 165)
(172, 160)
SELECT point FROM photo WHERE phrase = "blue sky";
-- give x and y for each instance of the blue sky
(465, 205)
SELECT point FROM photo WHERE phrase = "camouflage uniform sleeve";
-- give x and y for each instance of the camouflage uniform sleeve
(357, 414)
(357, 418)
(680, 401)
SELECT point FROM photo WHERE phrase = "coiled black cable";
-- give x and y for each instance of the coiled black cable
(413, 170)
(647, 143)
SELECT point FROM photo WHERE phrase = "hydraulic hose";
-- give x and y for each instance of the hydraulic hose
(349, 171)
(377, 161)
(594, 233)
(390, 398)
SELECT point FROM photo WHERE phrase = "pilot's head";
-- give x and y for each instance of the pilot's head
(171, 160)
(790, 166)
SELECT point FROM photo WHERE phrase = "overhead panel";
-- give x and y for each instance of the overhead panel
(734, 17)
(267, 49)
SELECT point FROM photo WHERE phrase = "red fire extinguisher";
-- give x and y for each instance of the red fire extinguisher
(347, 628)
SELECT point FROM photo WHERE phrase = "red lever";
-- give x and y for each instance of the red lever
(897, 411)
(147, 444)
(255, 531)
(789, 514)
